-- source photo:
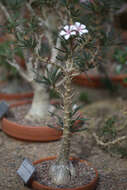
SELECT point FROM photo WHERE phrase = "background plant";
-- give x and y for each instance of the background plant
(120, 56)
(5, 49)
(30, 34)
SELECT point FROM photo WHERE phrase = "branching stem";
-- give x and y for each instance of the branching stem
(101, 143)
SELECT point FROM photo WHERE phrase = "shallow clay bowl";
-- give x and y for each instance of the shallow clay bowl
(29, 133)
(91, 186)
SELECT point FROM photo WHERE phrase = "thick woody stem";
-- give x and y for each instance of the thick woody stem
(65, 148)
(63, 170)
(21, 71)
(39, 41)
(40, 104)
(29, 57)
(54, 50)
(37, 51)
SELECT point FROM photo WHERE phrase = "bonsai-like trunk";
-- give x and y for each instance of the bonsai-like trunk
(62, 170)
(40, 103)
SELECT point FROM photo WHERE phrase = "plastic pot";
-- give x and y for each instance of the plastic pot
(90, 186)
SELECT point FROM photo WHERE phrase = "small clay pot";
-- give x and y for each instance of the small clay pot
(96, 81)
(90, 186)
(29, 133)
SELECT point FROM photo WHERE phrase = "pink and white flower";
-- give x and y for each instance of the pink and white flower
(68, 31)
(80, 28)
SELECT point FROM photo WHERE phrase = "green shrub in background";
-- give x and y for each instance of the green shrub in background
(120, 56)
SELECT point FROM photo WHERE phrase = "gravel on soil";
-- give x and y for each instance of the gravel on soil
(17, 114)
(84, 175)
(112, 170)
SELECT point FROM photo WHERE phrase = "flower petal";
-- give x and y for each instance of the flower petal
(62, 33)
(85, 31)
(73, 33)
(77, 24)
(67, 36)
(82, 26)
(80, 33)
(67, 27)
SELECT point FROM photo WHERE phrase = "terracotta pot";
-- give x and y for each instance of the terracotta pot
(90, 186)
(96, 81)
(4, 96)
(29, 133)
(14, 96)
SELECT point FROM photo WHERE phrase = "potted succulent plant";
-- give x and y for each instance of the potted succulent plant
(63, 172)
(29, 35)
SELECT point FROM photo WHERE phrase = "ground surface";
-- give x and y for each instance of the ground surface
(111, 167)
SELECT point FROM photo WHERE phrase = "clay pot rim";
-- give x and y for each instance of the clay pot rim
(21, 103)
(94, 81)
(120, 76)
(14, 96)
(27, 132)
(22, 126)
(93, 182)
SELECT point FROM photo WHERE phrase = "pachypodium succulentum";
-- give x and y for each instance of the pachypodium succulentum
(79, 50)
(74, 49)
(74, 40)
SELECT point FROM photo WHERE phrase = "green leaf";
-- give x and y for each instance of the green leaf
(125, 80)
(57, 128)
(60, 119)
